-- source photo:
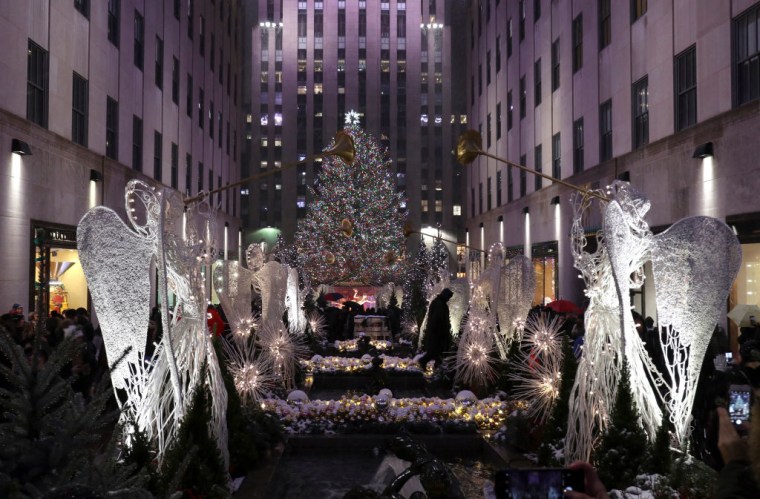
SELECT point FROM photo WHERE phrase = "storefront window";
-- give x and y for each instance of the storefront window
(544, 257)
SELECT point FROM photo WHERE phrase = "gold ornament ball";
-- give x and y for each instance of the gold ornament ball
(329, 257)
(347, 227)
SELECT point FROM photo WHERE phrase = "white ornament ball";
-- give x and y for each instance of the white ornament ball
(317, 359)
(466, 398)
(366, 358)
(298, 397)
(386, 392)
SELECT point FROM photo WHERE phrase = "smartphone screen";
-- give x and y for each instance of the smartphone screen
(537, 483)
(739, 403)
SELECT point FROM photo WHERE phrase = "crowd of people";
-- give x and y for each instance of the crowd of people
(88, 362)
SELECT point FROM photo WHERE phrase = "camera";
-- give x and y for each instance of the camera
(739, 404)
(551, 483)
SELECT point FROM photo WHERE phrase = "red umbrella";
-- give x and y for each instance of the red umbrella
(565, 307)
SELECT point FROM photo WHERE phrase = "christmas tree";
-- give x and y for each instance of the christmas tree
(353, 230)
(623, 450)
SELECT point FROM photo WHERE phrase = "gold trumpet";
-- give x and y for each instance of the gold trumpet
(343, 148)
(470, 146)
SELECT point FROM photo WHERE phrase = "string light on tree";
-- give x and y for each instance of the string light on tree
(355, 220)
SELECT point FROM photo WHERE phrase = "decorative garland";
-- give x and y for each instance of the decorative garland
(352, 365)
(330, 415)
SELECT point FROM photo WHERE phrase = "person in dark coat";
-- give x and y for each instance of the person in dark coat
(438, 330)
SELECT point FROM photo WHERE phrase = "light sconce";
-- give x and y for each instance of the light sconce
(500, 219)
(96, 176)
(555, 200)
(703, 151)
(526, 210)
(481, 225)
(20, 147)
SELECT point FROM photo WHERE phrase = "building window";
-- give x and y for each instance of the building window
(211, 120)
(137, 143)
(556, 156)
(498, 53)
(189, 97)
(605, 131)
(113, 21)
(175, 80)
(537, 166)
(37, 85)
(139, 48)
(536, 10)
(522, 20)
(79, 99)
(641, 113)
(200, 176)
(175, 165)
(537, 82)
(159, 62)
(509, 38)
(510, 106)
(488, 130)
(176, 8)
(686, 88)
(498, 120)
(188, 173)
(498, 188)
(638, 9)
(555, 65)
(578, 145)
(472, 200)
(112, 128)
(457, 210)
(480, 197)
(523, 97)
(201, 118)
(747, 56)
(157, 150)
(488, 67)
(577, 42)
(83, 6)
(605, 23)
(202, 35)
(510, 184)
(190, 18)
(489, 203)
(523, 177)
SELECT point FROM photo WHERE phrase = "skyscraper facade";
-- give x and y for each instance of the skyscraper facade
(661, 94)
(394, 63)
(95, 94)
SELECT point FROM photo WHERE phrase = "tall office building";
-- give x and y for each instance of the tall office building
(662, 94)
(393, 62)
(96, 94)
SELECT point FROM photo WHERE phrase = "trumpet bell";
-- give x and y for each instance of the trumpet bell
(342, 148)
(469, 147)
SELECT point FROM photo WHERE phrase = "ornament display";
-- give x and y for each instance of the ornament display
(466, 398)
(297, 397)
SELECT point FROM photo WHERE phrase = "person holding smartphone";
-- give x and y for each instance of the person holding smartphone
(737, 479)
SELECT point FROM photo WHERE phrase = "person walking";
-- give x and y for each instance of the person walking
(438, 330)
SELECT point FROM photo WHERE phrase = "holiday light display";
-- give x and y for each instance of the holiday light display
(353, 365)
(475, 362)
(693, 265)
(116, 262)
(355, 219)
(516, 291)
(488, 414)
(253, 379)
(353, 345)
(537, 372)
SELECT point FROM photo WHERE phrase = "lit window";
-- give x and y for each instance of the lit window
(277, 119)
(248, 118)
(424, 206)
(301, 202)
(438, 205)
(463, 119)
(264, 142)
(243, 192)
(263, 165)
(264, 120)
(278, 141)
(423, 119)
(317, 88)
(278, 187)
(457, 210)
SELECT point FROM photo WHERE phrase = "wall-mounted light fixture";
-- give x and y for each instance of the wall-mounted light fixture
(96, 176)
(555, 200)
(20, 147)
(526, 210)
(703, 151)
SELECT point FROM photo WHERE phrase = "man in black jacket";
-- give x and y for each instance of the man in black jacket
(438, 330)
